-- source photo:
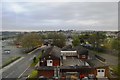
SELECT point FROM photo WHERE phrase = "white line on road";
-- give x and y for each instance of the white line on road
(5, 68)
(23, 71)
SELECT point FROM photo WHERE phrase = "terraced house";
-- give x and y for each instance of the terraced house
(70, 63)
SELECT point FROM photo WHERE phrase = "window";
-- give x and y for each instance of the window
(50, 61)
(102, 70)
(98, 70)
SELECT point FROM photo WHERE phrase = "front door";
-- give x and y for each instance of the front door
(49, 62)
(100, 72)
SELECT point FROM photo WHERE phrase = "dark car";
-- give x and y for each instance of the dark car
(91, 77)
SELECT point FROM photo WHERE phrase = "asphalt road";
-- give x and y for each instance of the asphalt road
(14, 52)
(17, 69)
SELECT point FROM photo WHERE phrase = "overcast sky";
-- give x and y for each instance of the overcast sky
(59, 15)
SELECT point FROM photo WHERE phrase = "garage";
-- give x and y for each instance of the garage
(49, 63)
(100, 72)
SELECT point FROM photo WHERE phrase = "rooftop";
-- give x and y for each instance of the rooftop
(73, 61)
(53, 50)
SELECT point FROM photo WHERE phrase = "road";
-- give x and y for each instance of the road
(110, 59)
(14, 52)
(17, 69)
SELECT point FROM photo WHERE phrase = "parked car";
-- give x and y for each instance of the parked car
(85, 78)
(91, 77)
(7, 51)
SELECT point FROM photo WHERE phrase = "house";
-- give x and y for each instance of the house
(70, 63)
(51, 57)
(82, 53)
(68, 51)
(96, 69)
(101, 69)
(48, 61)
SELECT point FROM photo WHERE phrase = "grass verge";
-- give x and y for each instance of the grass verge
(116, 69)
(33, 74)
(10, 61)
(37, 60)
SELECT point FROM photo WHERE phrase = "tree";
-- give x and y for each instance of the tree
(76, 41)
(96, 39)
(59, 39)
(31, 40)
(116, 44)
(18, 39)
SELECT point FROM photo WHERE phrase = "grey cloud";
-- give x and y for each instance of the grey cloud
(64, 15)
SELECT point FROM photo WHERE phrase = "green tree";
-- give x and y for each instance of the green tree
(112, 44)
(31, 40)
(76, 40)
(59, 39)
(96, 39)
(116, 44)
(18, 39)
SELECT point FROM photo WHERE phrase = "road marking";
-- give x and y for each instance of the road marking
(23, 71)
(9, 74)
(5, 68)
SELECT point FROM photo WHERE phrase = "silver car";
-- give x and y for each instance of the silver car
(7, 51)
